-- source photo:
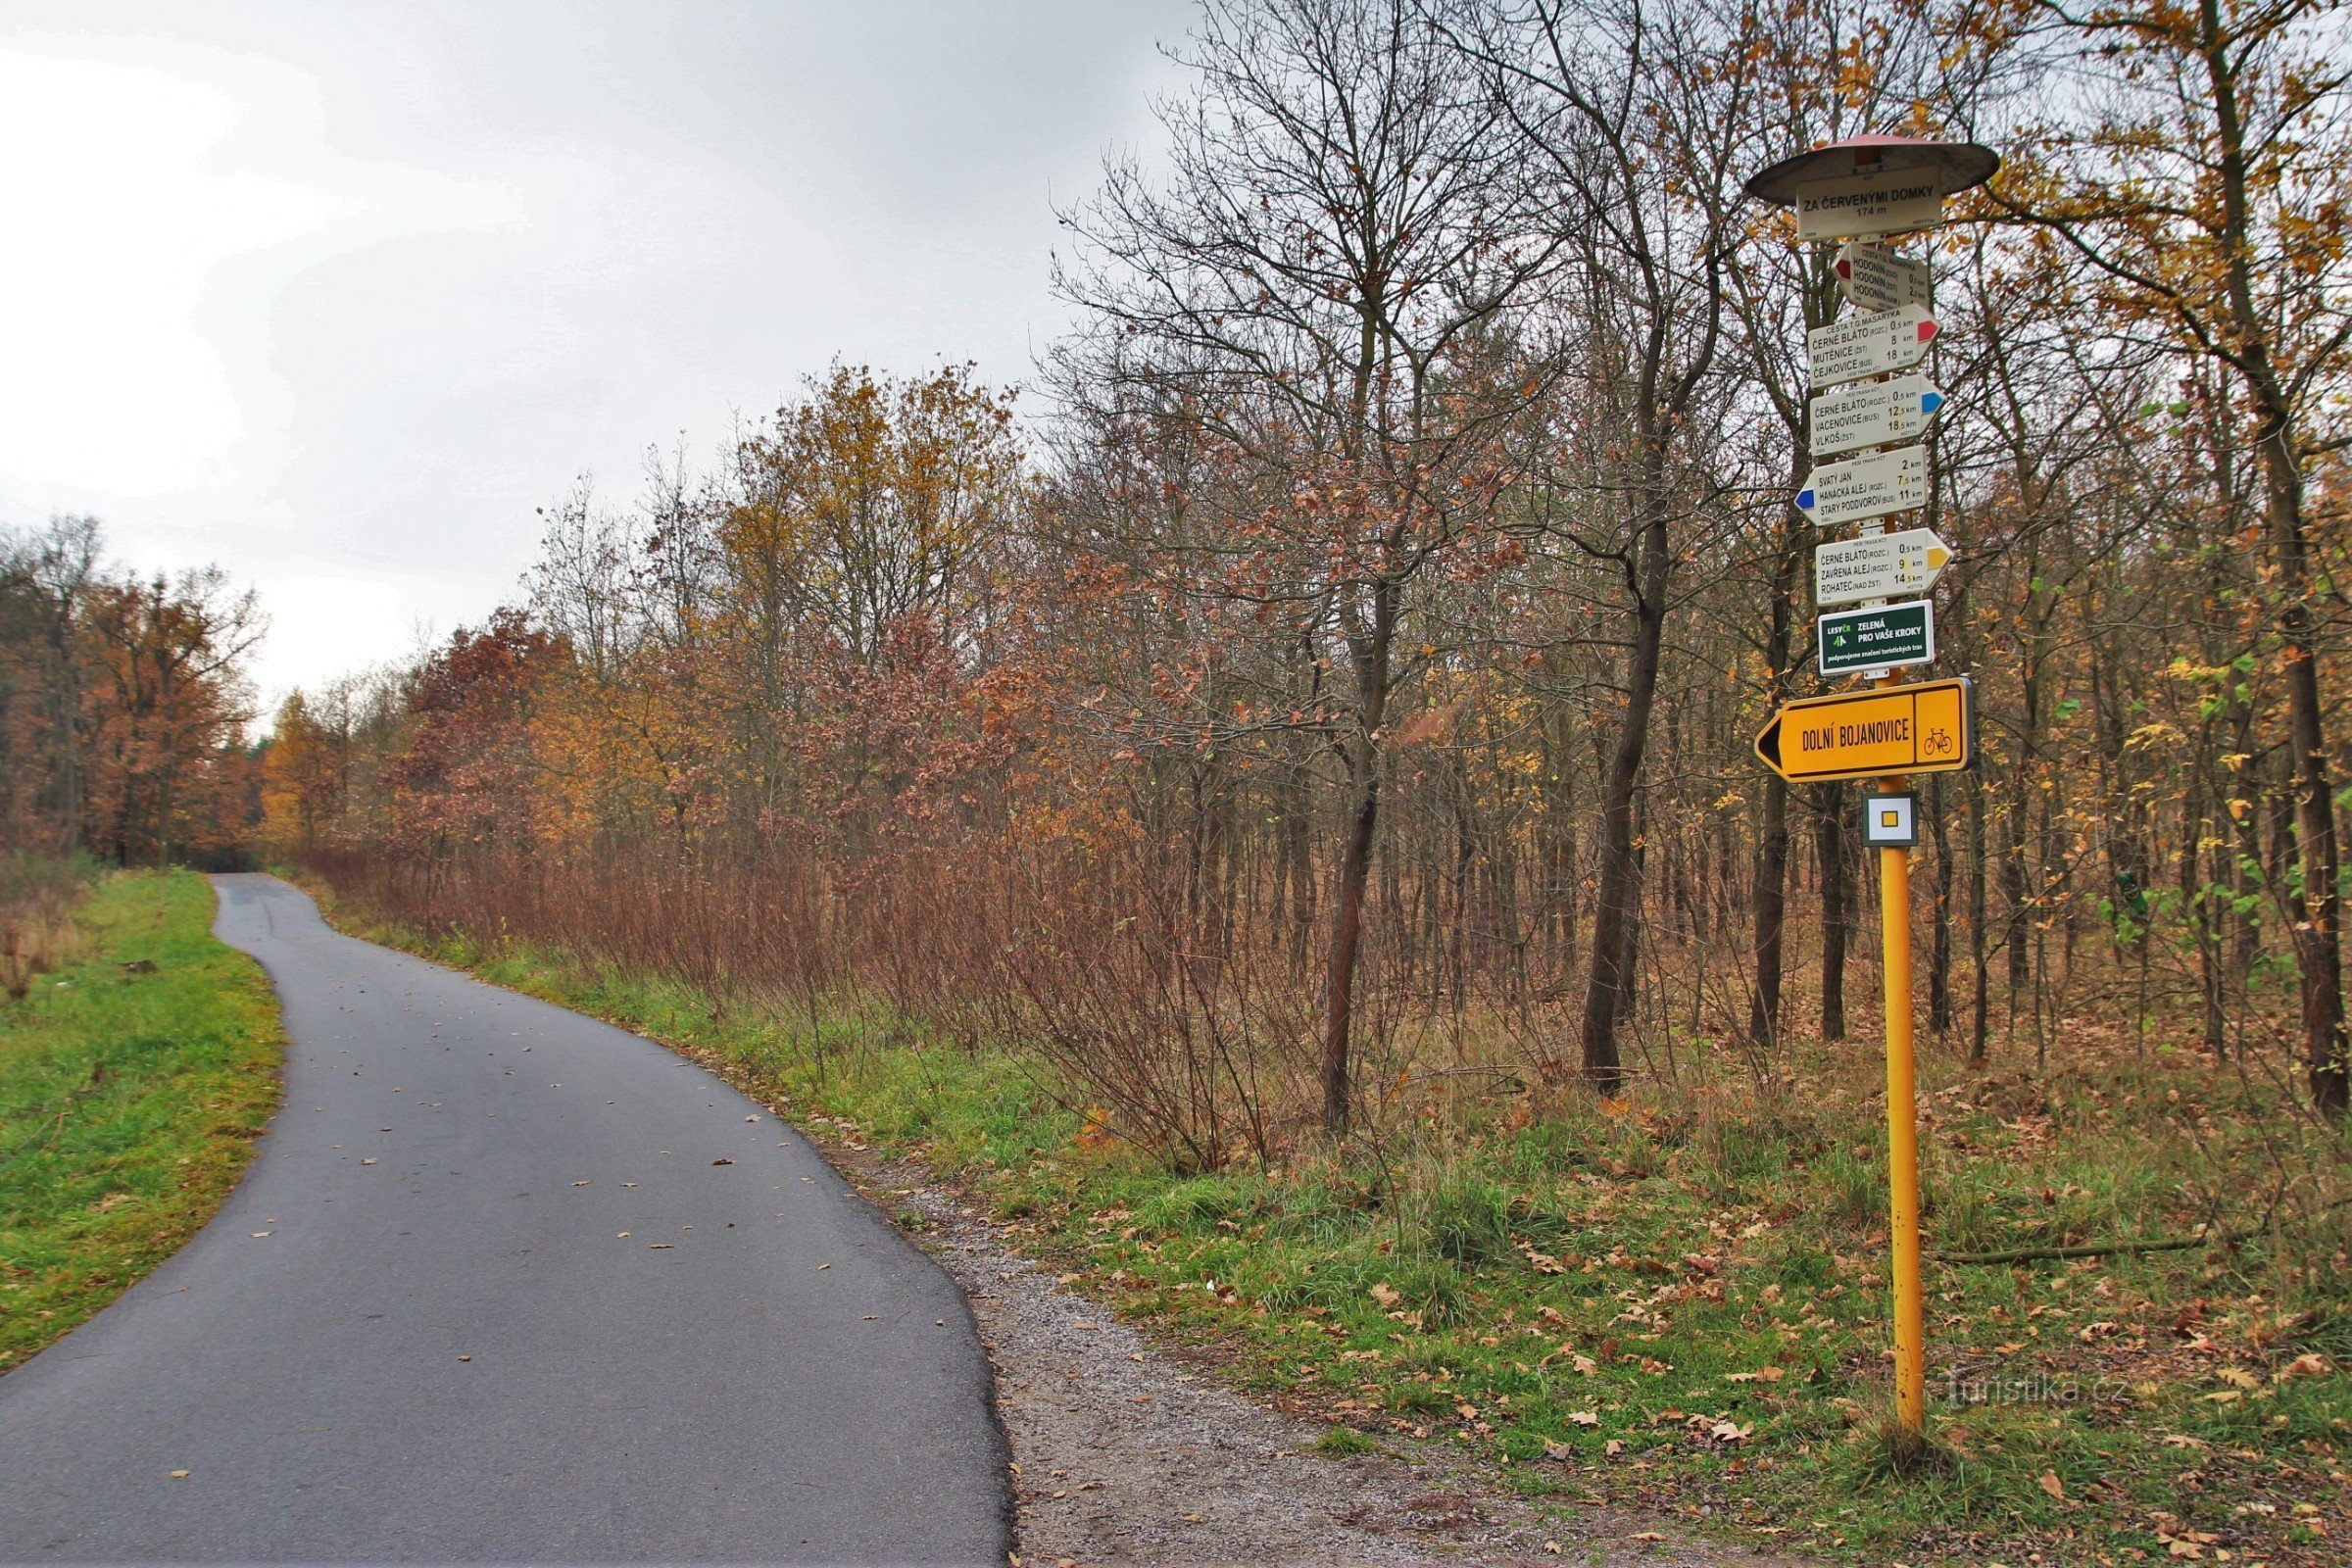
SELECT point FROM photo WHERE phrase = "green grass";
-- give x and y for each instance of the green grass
(129, 1101)
(1680, 1301)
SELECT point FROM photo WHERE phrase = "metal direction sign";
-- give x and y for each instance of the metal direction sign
(1884, 637)
(1875, 414)
(1927, 728)
(1876, 343)
(1864, 206)
(1878, 566)
(1865, 487)
(1875, 278)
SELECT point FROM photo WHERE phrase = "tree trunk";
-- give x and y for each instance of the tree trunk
(1347, 921)
(1772, 849)
(1837, 905)
(2319, 943)
(1369, 646)
(1620, 870)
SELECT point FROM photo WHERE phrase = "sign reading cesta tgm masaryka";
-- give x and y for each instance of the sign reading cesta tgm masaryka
(1878, 343)
(1884, 637)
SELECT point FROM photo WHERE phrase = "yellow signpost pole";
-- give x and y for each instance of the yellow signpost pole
(1902, 1144)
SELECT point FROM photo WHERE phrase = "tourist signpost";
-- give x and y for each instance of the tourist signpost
(1858, 191)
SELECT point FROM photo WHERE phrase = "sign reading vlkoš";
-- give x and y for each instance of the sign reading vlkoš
(1875, 344)
(1878, 566)
(1875, 278)
(1876, 414)
(1927, 728)
(1886, 637)
(1866, 487)
(1881, 201)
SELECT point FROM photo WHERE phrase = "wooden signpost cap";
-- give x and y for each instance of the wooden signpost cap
(1964, 164)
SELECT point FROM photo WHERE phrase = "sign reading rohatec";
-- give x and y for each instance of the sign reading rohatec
(1878, 566)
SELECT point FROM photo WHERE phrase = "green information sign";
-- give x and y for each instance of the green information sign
(1885, 637)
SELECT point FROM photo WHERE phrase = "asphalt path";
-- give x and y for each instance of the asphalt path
(508, 1285)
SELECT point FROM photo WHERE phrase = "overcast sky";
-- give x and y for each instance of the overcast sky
(335, 294)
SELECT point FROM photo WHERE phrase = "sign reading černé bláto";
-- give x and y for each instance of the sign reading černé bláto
(1878, 343)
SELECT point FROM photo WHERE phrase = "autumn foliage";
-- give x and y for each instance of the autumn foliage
(1349, 672)
(123, 705)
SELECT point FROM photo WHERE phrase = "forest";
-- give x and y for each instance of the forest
(1298, 739)
(1351, 643)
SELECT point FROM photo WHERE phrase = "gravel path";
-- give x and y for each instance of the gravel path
(1126, 1455)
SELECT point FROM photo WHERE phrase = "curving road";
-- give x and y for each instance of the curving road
(506, 1284)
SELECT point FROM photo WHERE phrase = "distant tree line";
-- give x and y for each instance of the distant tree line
(123, 704)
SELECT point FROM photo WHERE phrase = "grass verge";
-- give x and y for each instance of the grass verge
(1678, 1299)
(132, 1084)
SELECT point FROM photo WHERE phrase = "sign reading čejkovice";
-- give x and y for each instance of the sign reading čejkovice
(1876, 343)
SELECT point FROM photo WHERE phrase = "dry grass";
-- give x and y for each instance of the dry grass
(37, 934)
